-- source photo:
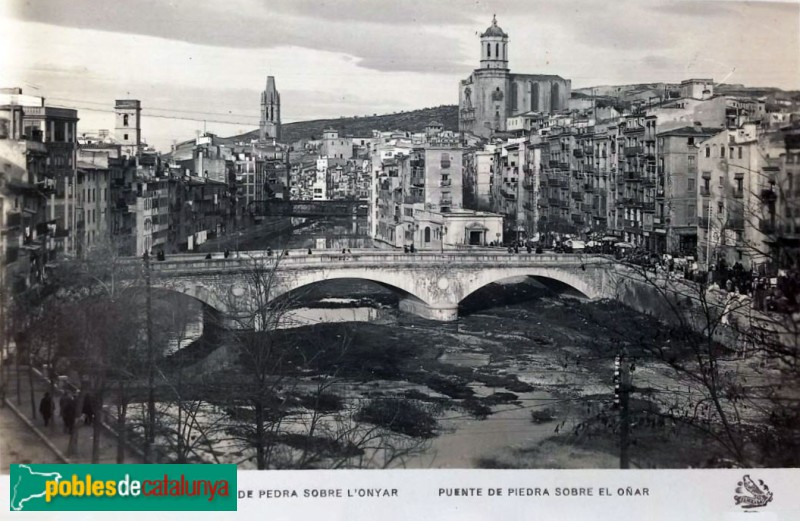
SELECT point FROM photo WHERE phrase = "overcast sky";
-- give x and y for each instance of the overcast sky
(209, 60)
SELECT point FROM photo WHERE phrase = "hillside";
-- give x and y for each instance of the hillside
(624, 92)
(413, 120)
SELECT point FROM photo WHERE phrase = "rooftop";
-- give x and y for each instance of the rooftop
(494, 30)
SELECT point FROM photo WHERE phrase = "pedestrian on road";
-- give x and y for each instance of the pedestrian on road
(310, 252)
(208, 256)
(227, 254)
(67, 406)
(88, 410)
(46, 407)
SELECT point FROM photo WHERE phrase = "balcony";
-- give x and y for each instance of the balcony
(446, 201)
(738, 194)
(705, 192)
(588, 188)
(649, 207)
(633, 151)
(578, 152)
(633, 225)
(564, 183)
(553, 181)
(445, 182)
(589, 169)
(527, 206)
(631, 202)
(527, 184)
(46, 185)
(564, 203)
(633, 177)
(577, 196)
(554, 201)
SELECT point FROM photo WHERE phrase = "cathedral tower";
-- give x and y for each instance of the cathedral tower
(270, 126)
(494, 47)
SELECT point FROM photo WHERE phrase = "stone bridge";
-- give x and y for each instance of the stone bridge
(429, 284)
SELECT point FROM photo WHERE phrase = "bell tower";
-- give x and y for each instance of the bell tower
(270, 125)
(494, 47)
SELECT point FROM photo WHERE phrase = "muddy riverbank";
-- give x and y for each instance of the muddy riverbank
(523, 379)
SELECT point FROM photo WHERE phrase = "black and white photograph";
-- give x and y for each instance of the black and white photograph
(381, 235)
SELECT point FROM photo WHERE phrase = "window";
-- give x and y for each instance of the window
(691, 211)
(125, 137)
(706, 184)
(691, 184)
(125, 120)
(722, 152)
(691, 159)
(720, 208)
(708, 151)
(690, 141)
(488, 50)
(497, 50)
(721, 181)
(730, 155)
(740, 152)
(427, 234)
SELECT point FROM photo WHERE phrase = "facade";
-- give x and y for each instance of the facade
(27, 238)
(56, 128)
(731, 182)
(677, 187)
(269, 127)
(128, 130)
(93, 202)
(492, 93)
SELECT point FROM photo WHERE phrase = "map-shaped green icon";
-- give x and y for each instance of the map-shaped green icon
(29, 485)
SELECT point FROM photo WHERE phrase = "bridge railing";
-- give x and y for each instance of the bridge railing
(301, 258)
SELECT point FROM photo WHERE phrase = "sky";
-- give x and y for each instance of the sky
(195, 64)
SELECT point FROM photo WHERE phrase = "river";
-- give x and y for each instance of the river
(527, 361)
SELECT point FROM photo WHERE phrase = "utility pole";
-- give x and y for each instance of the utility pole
(622, 388)
(151, 399)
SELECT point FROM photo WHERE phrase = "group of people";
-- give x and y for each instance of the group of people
(67, 409)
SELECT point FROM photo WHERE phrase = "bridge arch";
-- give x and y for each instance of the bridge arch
(397, 282)
(574, 278)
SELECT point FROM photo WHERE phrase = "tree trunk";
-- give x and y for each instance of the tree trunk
(16, 362)
(122, 428)
(260, 456)
(97, 407)
(72, 448)
(30, 386)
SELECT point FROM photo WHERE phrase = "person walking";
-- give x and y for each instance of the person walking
(88, 410)
(67, 406)
(46, 407)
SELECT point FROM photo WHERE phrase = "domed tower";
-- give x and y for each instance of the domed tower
(494, 47)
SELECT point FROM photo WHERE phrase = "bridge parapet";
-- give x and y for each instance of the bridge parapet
(430, 284)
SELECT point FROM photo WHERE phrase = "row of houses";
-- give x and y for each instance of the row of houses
(690, 176)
